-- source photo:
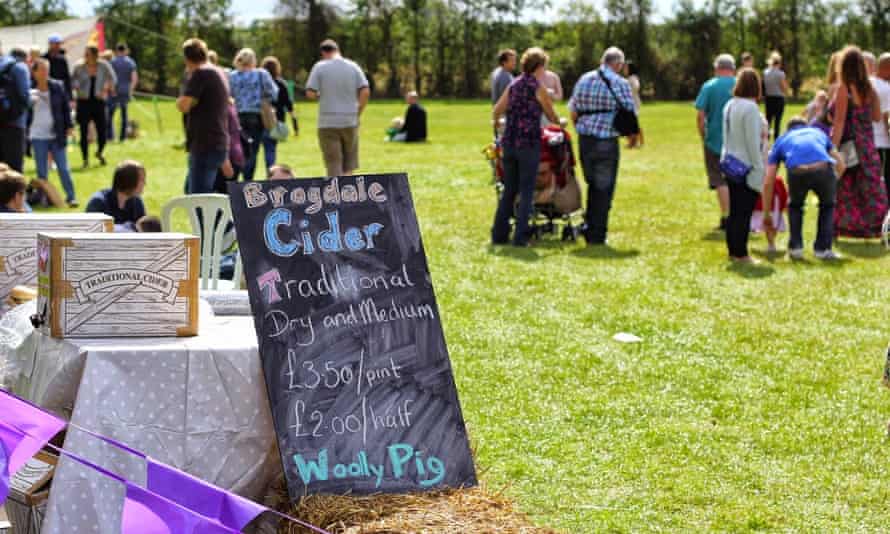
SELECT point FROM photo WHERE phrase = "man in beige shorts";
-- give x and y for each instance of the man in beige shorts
(342, 90)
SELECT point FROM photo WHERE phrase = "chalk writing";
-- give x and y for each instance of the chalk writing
(354, 357)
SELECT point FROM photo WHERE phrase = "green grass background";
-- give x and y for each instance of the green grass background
(753, 402)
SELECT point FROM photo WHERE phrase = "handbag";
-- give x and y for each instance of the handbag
(625, 121)
(267, 112)
(280, 131)
(849, 153)
(734, 169)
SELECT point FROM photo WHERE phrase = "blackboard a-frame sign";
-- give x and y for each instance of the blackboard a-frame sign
(360, 383)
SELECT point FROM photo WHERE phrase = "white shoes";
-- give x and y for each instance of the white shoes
(827, 255)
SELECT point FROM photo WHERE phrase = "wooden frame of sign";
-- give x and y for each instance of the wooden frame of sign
(360, 383)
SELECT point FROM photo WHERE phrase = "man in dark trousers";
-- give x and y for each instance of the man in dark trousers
(15, 94)
(414, 129)
(58, 63)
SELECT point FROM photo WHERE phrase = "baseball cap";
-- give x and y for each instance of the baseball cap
(55, 38)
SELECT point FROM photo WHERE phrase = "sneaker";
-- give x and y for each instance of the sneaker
(827, 255)
(771, 249)
(73, 204)
(795, 253)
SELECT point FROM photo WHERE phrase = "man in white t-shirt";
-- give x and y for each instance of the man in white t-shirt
(880, 79)
(342, 90)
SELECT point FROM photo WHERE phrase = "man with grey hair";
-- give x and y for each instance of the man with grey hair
(595, 101)
(712, 97)
(870, 62)
(881, 82)
(414, 127)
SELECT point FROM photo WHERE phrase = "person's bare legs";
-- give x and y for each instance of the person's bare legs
(723, 200)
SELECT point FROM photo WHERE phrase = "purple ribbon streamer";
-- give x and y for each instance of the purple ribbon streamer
(148, 513)
(29, 428)
(231, 510)
(4, 476)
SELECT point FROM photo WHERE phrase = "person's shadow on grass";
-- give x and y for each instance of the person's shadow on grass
(518, 253)
(747, 270)
(605, 252)
(869, 249)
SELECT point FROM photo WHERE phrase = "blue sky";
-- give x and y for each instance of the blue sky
(248, 10)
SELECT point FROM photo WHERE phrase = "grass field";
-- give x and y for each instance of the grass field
(753, 402)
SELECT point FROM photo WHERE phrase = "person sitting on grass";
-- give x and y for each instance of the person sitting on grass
(123, 201)
(12, 191)
(413, 129)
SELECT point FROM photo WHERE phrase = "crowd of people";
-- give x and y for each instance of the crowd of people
(838, 149)
(527, 103)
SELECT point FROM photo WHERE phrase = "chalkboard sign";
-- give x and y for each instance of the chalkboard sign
(356, 365)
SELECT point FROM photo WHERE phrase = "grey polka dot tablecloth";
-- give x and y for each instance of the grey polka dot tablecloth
(196, 403)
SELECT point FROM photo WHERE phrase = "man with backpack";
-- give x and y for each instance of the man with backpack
(15, 85)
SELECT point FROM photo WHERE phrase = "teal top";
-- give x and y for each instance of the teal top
(714, 95)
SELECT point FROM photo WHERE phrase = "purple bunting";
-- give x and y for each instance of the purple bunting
(4, 476)
(210, 501)
(147, 513)
(27, 429)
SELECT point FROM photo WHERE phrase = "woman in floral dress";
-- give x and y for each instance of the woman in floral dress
(861, 199)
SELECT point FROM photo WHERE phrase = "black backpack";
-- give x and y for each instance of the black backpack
(12, 106)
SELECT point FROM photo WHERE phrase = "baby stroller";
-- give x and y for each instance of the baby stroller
(557, 199)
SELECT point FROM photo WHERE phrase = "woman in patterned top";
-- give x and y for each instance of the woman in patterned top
(523, 103)
(250, 86)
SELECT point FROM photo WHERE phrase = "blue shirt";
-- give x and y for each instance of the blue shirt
(592, 94)
(250, 88)
(23, 84)
(124, 67)
(712, 98)
(105, 201)
(803, 145)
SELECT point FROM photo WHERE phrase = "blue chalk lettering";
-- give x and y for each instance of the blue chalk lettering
(276, 218)
(354, 239)
(329, 240)
(437, 467)
(399, 455)
(318, 468)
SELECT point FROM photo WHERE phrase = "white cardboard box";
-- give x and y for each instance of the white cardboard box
(18, 242)
(118, 285)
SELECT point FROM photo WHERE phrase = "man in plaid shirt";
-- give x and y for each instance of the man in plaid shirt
(593, 106)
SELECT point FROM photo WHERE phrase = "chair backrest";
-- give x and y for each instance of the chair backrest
(210, 215)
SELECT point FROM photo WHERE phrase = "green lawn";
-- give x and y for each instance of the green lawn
(753, 402)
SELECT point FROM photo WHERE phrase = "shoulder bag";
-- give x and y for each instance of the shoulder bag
(734, 169)
(625, 121)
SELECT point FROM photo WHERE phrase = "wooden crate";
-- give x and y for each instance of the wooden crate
(118, 285)
(18, 242)
(28, 494)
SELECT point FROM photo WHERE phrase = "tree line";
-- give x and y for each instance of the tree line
(447, 48)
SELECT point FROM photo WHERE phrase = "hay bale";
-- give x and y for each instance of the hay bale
(447, 511)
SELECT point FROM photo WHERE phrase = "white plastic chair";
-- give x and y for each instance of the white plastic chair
(215, 209)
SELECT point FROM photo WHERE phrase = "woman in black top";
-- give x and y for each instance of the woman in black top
(283, 106)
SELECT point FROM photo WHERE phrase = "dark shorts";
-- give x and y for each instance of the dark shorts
(712, 166)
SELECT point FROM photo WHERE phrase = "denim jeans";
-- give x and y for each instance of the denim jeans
(520, 173)
(202, 171)
(599, 159)
(742, 200)
(114, 103)
(270, 149)
(823, 183)
(42, 149)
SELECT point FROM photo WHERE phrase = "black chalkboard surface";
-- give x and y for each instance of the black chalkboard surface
(356, 365)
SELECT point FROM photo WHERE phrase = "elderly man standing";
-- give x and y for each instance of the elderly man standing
(595, 100)
(712, 97)
(342, 90)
